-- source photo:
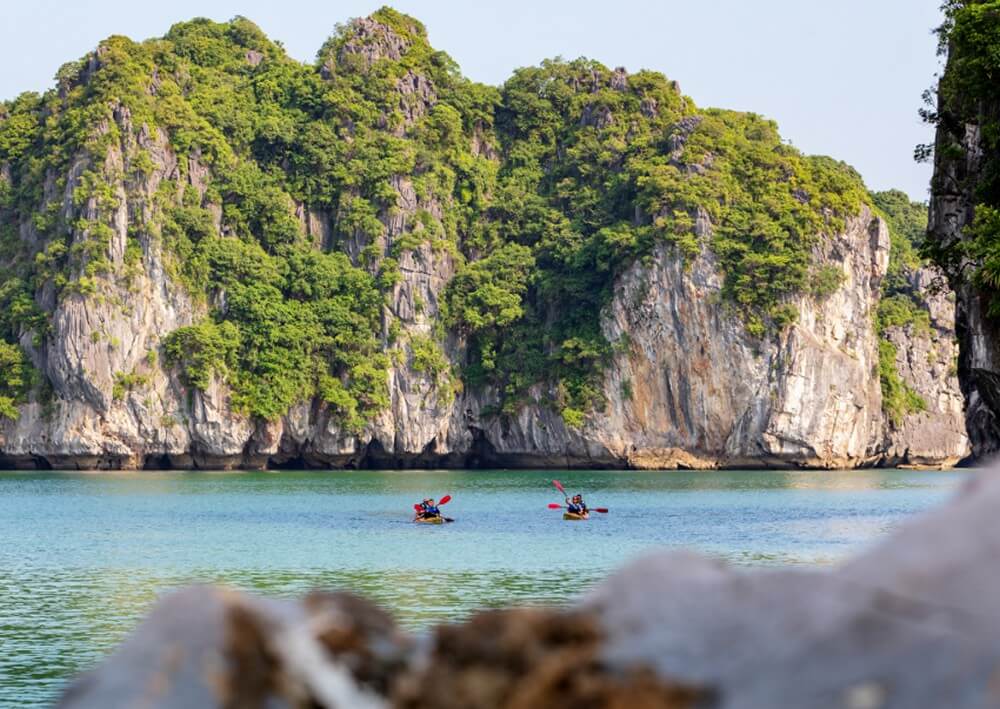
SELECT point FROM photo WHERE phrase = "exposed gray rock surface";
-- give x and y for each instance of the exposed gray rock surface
(691, 389)
(958, 164)
(688, 386)
(927, 361)
(695, 390)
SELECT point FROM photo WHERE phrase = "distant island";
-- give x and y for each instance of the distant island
(215, 256)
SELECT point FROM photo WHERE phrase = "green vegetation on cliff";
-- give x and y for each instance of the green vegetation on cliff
(968, 94)
(16, 375)
(293, 326)
(900, 305)
(596, 169)
(542, 192)
(269, 133)
(907, 222)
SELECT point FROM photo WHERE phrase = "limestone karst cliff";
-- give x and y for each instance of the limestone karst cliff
(215, 256)
(963, 232)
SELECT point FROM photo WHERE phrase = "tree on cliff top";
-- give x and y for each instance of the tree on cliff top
(544, 191)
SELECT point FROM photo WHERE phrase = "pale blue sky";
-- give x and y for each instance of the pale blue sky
(841, 78)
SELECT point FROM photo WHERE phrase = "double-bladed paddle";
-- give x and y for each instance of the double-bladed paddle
(602, 510)
(443, 501)
(560, 488)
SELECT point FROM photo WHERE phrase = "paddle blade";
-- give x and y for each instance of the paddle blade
(559, 486)
(417, 508)
(602, 510)
(444, 500)
(554, 506)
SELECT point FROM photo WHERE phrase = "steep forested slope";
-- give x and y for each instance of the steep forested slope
(214, 254)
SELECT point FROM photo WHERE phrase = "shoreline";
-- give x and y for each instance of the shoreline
(41, 466)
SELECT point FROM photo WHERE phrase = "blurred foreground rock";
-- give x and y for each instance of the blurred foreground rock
(211, 647)
(913, 623)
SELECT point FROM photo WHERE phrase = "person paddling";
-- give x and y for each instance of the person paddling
(427, 509)
(576, 506)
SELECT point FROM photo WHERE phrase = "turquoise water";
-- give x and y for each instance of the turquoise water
(84, 555)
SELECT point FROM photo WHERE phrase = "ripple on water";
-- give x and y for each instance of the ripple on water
(85, 555)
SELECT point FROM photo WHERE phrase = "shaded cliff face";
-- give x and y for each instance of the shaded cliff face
(926, 358)
(963, 235)
(953, 205)
(235, 260)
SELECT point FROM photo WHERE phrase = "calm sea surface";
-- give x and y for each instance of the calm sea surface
(82, 556)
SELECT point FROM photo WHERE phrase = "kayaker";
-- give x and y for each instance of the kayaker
(576, 506)
(428, 509)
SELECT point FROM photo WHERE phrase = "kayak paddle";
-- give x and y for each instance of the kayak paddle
(443, 501)
(560, 488)
(602, 510)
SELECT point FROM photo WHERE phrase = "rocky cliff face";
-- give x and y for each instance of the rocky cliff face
(93, 419)
(692, 389)
(927, 361)
(964, 197)
(687, 385)
(957, 173)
